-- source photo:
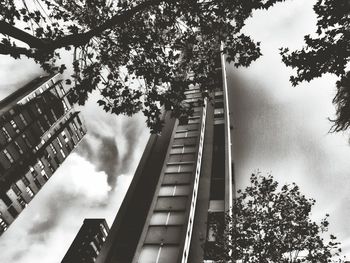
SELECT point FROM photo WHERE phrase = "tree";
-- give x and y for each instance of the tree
(273, 225)
(137, 53)
(328, 51)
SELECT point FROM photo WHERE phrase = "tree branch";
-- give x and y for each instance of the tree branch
(74, 39)
(14, 32)
(15, 52)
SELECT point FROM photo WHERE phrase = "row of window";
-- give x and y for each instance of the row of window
(25, 123)
(3, 224)
(169, 216)
(14, 126)
(219, 107)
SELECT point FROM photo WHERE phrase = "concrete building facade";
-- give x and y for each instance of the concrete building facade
(183, 184)
(39, 128)
(88, 242)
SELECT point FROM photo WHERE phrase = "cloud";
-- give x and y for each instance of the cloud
(103, 152)
(76, 191)
(16, 73)
(112, 142)
(91, 183)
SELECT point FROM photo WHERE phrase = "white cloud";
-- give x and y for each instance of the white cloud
(81, 178)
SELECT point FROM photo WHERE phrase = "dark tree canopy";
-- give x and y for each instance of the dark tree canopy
(327, 51)
(273, 225)
(137, 53)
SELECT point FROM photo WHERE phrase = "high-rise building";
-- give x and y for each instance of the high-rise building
(88, 242)
(182, 187)
(39, 128)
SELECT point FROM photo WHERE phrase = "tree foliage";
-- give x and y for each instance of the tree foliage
(137, 53)
(274, 225)
(327, 51)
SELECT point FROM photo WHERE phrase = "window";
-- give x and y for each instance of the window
(53, 149)
(173, 203)
(59, 142)
(193, 120)
(44, 175)
(184, 141)
(183, 149)
(79, 121)
(47, 120)
(219, 104)
(68, 147)
(6, 134)
(18, 148)
(172, 168)
(56, 159)
(8, 156)
(37, 183)
(21, 201)
(178, 168)
(74, 126)
(64, 136)
(64, 156)
(3, 224)
(14, 126)
(40, 127)
(216, 206)
(183, 121)
(25, 138)
(5, 198)
(29, 191)
(104, 230)
(54, 115)
(219, 95)
(13, 212)
(62, 89)
(185, 157)
(16, 189)
(51, 166)
(70, 130)
(176, 178)
(192, 91)
(41, 165)
(168, 218)
(82, 133)
(174, 190)
(149, 253)
(163, 234)
(38, 108)
(185, 133)
(219, 113)
(64, 106)
(23, 119)
(92, 244)
(25, 181)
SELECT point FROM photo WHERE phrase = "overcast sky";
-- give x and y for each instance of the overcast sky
(278, 129)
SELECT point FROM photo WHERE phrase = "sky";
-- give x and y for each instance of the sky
(277, 129)
(91, 183)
